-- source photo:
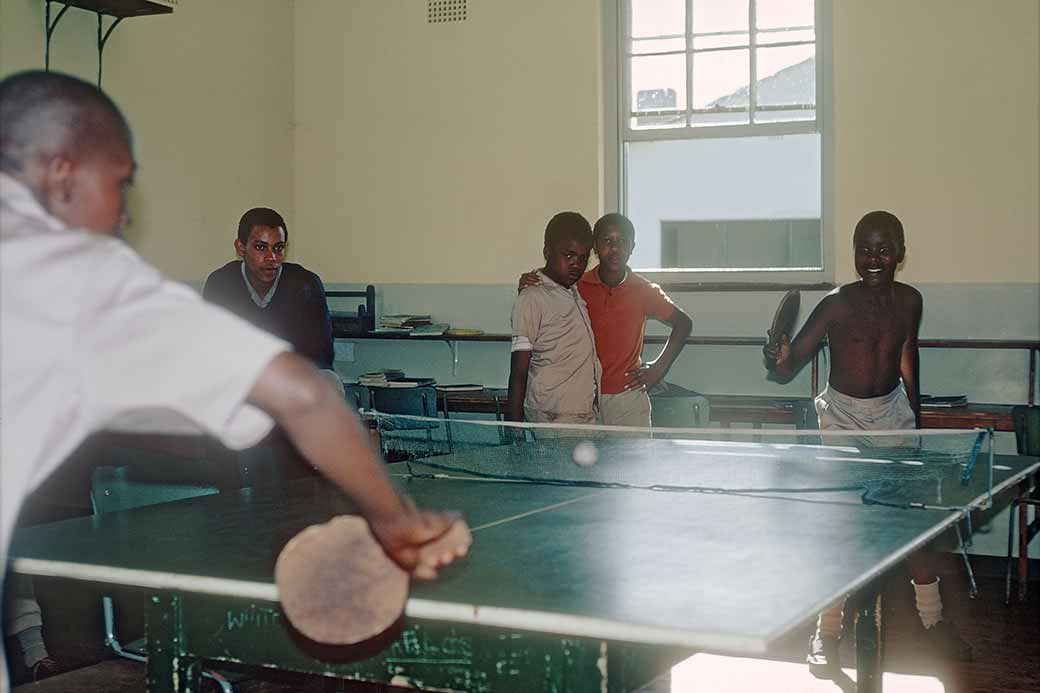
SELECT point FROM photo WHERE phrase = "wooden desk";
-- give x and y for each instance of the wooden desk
(753, 409)
(763, 409)
(756, 409)
(490, 400)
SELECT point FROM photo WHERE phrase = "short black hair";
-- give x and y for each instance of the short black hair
(260, 216)
(614, 220)
(884, 221)
(567, 226)
(49, 113)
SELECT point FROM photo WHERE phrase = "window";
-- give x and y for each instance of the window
(718, 137)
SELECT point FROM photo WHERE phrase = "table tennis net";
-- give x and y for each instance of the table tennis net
(925, 468)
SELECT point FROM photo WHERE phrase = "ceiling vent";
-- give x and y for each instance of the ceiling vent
(438, 11)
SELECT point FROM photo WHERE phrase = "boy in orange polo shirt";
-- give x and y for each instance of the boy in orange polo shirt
(619, 301)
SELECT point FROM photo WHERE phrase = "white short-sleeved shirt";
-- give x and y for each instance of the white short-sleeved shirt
(93, 337)
(552, 322)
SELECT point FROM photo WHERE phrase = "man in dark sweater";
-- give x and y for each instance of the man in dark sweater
(281, 297)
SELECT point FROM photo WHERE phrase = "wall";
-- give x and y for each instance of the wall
(935, 120)
(208, 92)
(427, 158)
(935, 113)
(437, 152)
(446, 146)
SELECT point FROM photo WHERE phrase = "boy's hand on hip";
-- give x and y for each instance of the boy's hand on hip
(646, 376)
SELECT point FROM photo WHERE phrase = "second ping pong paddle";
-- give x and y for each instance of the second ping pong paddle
(337, 585)
(786, 316)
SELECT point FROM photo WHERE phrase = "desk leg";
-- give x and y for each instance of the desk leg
(169, 670)
(1023, 548)
(869, 640)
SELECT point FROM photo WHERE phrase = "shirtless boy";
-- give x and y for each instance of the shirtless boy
(871, 328)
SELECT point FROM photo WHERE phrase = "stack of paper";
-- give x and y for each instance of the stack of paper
(404, 321)
(434, 330)
(409, 382)
(380, 378)
(944, 400)
(460, 387)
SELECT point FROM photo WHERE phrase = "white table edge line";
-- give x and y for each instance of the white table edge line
(582, 626)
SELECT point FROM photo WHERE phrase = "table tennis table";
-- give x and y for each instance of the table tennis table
(568, 587)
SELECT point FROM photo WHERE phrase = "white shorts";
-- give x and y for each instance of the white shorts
(630, 408)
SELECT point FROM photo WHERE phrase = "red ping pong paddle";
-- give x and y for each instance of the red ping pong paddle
(786, 316)
(337, 585)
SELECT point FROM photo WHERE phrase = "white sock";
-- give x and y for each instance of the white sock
(929, 603)
(829, 622)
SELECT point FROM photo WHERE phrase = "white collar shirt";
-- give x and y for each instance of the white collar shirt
(94, 337)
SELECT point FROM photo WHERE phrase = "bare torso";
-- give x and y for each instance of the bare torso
(866, 332)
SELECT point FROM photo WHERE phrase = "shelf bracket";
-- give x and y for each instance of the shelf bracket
(102, 40)
(49, 30)
(102, 34)
(453, 346)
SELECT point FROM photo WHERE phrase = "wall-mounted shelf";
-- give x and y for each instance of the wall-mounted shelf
(120, 8)
(1028, 345)
(117, 9)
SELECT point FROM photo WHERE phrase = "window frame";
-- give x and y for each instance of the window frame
(617, 133)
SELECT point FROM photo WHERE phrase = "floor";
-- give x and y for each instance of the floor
(1006, 641)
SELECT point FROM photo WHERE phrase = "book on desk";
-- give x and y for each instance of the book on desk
(408, 382)
(944, 401)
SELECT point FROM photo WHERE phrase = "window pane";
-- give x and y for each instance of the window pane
(720, 79)
(748, 244)
(786, 76)
(784, 115)
(710, 16)
(649, 100)
(727, 202)
(781, 13)
(709, 119)
(721, 41)
(658, 45)
(783, 36)
(658, 82)
(658, 18)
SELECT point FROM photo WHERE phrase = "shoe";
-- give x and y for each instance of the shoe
(18, 671)
(45, 668)
(945, 642)
(823, 655)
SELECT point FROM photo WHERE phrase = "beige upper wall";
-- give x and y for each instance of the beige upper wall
(208, 92)
(437, 152)
(937, 120)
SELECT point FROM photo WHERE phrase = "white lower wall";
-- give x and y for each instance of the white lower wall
(998, 311)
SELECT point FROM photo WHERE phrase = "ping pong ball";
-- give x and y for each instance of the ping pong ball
(585, 454)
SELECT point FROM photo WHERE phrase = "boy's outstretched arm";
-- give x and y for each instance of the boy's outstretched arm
(785, 357)
(649, 374)
(909, 359)
(519, 365)
(328, 434)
